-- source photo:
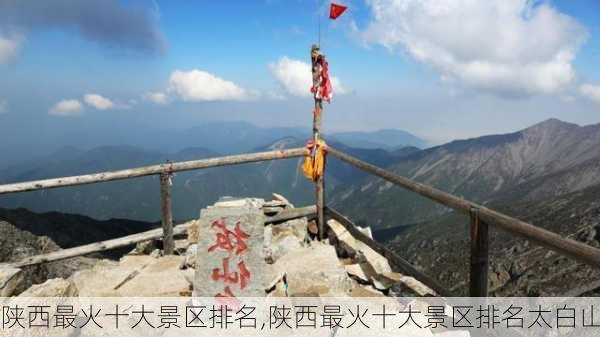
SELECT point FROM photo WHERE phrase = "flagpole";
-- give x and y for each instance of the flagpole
(319, 22)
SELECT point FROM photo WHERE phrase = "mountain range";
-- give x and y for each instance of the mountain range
(546, 174)
(139, 198)
(547, 159)
(17, 145)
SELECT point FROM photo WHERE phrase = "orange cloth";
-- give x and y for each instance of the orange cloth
(314, 164)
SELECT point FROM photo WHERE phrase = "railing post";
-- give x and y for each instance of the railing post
(167, 215)
(317, 114)
(479, 255)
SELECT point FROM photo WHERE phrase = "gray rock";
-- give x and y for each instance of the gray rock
(312, 271)
(230, 249)
(57, 287)
(156, 253)
(356, 271)
(285, 237)
(145, 247)
(191, 256)
(10, 279)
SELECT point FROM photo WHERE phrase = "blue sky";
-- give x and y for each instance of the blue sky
(440, 69)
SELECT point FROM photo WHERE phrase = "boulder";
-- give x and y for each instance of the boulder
(312, 271)
(231, 249)
(10, 279)
(56, 287)
(347, 245)
(282, 238)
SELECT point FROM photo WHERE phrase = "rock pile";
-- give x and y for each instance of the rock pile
(294, 263)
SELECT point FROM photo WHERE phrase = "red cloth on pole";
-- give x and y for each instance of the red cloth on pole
(336, 10)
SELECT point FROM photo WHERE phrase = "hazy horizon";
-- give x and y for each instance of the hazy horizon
(108, 68)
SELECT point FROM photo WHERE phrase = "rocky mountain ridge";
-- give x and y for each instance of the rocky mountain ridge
(548, 159)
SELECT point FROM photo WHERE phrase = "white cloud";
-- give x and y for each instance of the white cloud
(98, 102)
(156, 97)
(506, 46)
(67, 107)
(296, 79)
(9, 46)
(198, 86)
(3, 106)
(590, 91)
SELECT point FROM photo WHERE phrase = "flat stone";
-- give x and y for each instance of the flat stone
(353, 247)
(57, 287)
(163, 278)
(10, 279)
(250, 203)
(106, 278)
(231, 249)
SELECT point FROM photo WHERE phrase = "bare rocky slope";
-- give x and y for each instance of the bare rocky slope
(518, 268)
(16, 244)
(548, 159)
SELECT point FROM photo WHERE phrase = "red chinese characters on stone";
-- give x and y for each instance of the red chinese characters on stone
(229, 240)
(234, 243)
(241, 276)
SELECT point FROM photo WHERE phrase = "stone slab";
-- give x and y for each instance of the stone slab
(230, 250)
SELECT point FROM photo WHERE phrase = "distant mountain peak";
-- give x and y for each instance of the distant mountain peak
(552, 123)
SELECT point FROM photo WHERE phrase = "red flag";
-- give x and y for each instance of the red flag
(336, 10)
